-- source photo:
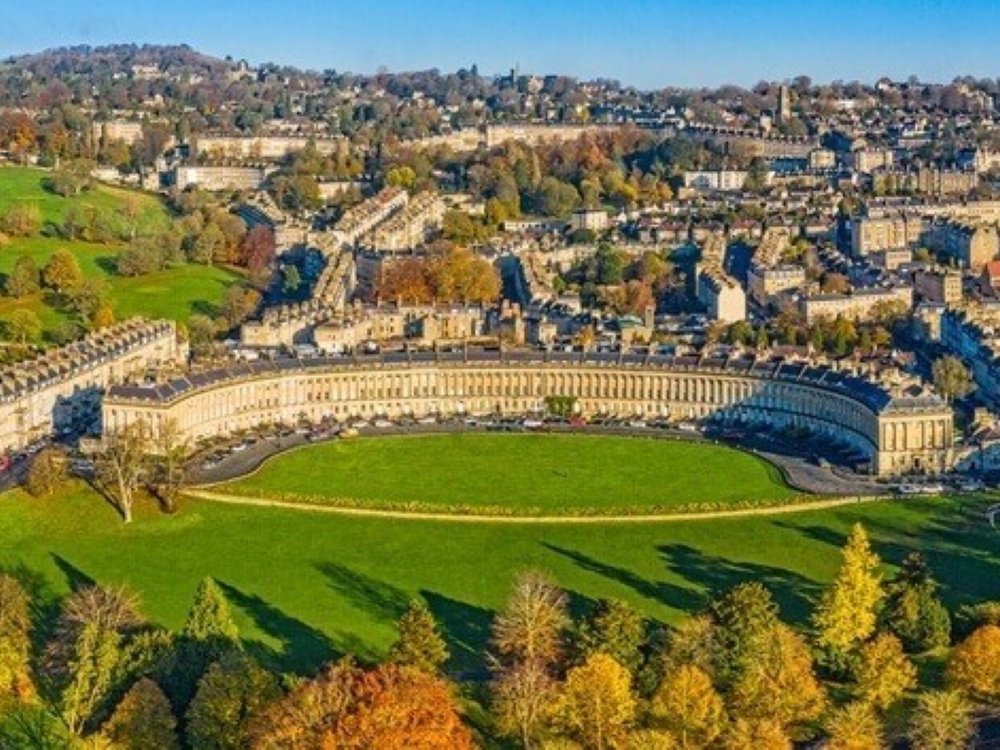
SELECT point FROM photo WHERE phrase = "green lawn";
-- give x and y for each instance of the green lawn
(520, 473)
(307, 586)
(27, 185)
(176, 293)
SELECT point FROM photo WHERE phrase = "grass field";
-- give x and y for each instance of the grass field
(176, 293)
(307, 586)
(519, 473)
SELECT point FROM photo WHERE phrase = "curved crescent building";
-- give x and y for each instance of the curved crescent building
(899, 433)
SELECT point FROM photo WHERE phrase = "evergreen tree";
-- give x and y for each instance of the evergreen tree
(913, 611)
(209, 634)
(419, 643)
(230, 694)
(143, 720)
(209, 618)
(741, 618)
(615, 629)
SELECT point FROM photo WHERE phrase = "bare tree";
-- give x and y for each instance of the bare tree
(122, 465)
(168, 474)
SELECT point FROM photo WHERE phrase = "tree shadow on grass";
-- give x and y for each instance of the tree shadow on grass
(466, 629)
(661, 592)
(964, 559)
(108, 264)
(204, 307)
(794, 593)
(303, 648)
(363, 592)
(76, 579)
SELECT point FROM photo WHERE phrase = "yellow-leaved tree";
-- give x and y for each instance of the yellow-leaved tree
(688, 706)
(882, 672)
(848, 612)
(597, 706)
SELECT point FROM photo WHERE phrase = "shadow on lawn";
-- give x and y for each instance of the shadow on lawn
(466, 629)
(369, 594)
(658, 591)
(303, 648)
(794, 593)
(960, 548)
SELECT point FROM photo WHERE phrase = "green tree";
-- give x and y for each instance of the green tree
(614, 628)
(941, 721)
(741, 620)
(848, 612)
(23, 326)
(62, 273)
(143, 720)
(24, 277)
(951, 377)
(231, 693)
(913, 610)
(32, 727)
(292, 278)
(419, 644)
(209, 618)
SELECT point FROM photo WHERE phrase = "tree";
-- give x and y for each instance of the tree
(31, 726)
(419, 644)
(238, 304)
(882, 673)
(941, 721)
(848, 612)
(103, 317)
(688, 706)
(913, 611)
(15, 640)
(523, 698)
(596, 706)
(257, 253)
(87, 658)
(21, 220)
(46, 473)
(62, 273)
(292, 279)
(756, 734)
(24, 277)
(309, 713)
(230, 694)
(168, 464)
(614, 628)
(23, 326)
(530, 626)
(779, 682)
(122, 464)
(394, 706)
(854, 727)
(209, 617)
(89, 296)
(974, 664)
(143, 720)
(741, 619)
(951, 377)
(210, 245)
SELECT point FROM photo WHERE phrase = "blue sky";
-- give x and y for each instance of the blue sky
(649, 43)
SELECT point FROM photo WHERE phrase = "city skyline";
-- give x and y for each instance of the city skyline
(646, 44)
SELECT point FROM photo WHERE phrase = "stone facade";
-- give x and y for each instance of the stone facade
(900, 430)
(61, 390)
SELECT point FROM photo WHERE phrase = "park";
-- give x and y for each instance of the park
(308, 586)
